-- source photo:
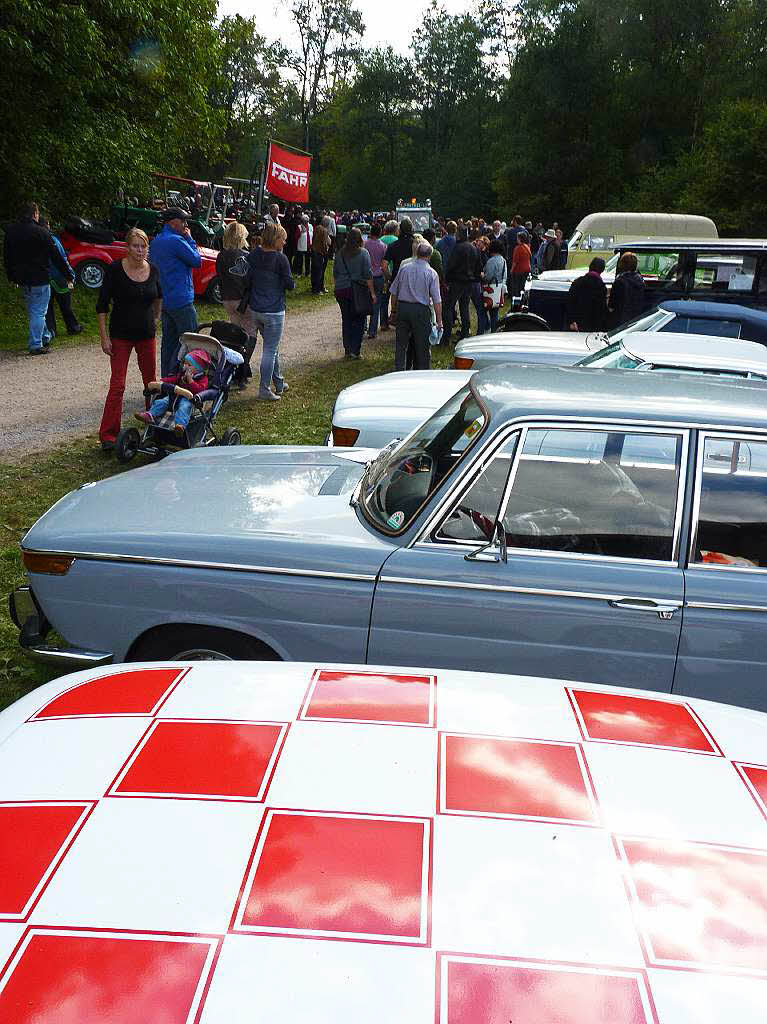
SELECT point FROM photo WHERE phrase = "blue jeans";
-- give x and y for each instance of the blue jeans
(37, 297)
(175, 322)
(493, 313)
(182, 412)
(476, 298)
(352, 325)
(378, 284)
(271, 325)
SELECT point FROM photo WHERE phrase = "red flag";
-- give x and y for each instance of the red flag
(287, 175)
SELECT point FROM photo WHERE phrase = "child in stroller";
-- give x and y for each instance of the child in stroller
(183, 415)
(178, 390)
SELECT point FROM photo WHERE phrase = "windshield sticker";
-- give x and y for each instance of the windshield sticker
(395, 520)
(473, 428)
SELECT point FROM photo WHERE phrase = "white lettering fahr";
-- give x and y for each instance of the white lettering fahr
(287, 175)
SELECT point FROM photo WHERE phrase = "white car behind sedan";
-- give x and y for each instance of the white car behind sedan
(373, 412)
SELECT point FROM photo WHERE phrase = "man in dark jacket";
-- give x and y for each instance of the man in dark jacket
(587, 300)
(627, 293)
(27, 252)
(462, 273)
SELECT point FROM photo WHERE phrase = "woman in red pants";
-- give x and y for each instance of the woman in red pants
(132, 287)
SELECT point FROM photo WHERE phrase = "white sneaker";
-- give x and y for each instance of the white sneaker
(268, 396)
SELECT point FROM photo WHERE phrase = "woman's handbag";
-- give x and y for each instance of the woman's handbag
(361, 298)
(493, 295)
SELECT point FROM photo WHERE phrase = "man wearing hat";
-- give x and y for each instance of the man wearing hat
(548, 254)
(174, 252)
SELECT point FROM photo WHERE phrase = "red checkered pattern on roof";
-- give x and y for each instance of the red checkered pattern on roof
(357, 844)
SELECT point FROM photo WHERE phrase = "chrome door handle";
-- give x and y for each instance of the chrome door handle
(663, 609)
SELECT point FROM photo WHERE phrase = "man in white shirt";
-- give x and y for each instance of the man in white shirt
(413, 291)
(304, 247)
(332, 232)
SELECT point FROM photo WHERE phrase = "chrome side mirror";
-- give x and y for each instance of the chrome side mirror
(495, 551)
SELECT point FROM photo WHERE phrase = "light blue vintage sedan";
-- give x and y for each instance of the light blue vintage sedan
(562, 522)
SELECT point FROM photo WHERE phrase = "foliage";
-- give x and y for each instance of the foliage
(551, 108)
(246, 89)
(96, 94)
(329, 31)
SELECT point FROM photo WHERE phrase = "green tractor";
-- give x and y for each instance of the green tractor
(204, 201)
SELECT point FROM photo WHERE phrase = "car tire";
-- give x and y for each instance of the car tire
(230, 436)
(199, 643)
(90, 274)
(213, 292)
(521, 322)
(127, 444)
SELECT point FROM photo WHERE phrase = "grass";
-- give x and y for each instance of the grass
(31, 487)
(14, 325)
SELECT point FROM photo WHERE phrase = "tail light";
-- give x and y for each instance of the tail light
(345, 437)
(53, 565)
(461, 363)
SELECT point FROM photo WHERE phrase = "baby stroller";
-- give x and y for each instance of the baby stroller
(159, 439)
(233, 336)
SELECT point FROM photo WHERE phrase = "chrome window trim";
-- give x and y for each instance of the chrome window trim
(472, 545)
(524, 426)
(726, 434)
(586, 595)
(720, 606)
(185, 563)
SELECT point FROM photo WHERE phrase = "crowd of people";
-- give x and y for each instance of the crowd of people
(385, 274)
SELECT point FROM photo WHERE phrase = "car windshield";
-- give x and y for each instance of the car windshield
(646, 322)
(399, 481)
(614, 357)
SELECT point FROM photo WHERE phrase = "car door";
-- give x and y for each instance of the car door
(723, 647)
(587, 585)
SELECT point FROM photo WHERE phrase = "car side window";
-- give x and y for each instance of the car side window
(608, 493)
(732, 509)
(724, 272)
(475, 514)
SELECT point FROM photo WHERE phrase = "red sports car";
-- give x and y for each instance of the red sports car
(90, 259)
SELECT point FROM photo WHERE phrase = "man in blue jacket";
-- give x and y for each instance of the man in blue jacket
(174, 253)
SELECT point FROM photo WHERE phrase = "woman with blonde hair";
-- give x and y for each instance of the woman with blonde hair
(268, 279)
(232, 286)
(131, 287)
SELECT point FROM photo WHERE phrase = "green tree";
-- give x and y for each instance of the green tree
(96, 94)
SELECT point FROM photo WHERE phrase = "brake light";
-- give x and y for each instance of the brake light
(345, 437)
(53, 565)
(461, 363)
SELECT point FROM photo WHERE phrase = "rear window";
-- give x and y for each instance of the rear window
(701, 325)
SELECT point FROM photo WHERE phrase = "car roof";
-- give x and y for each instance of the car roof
(292, 841)
(698, 351)
(516, 391)
(701, 244)
(715, 310)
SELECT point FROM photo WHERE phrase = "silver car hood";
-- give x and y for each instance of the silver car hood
(407, 389)
(216, 504)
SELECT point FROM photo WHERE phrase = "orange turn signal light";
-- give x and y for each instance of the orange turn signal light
(54, 565)
(461, 363)
(345, 437)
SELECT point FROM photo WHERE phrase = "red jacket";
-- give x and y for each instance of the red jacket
(520, 259)
(200, 383)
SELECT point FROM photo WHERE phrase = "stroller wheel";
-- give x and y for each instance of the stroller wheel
(231, 436)
(127, 444)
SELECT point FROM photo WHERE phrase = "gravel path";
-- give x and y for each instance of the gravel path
(52, 398)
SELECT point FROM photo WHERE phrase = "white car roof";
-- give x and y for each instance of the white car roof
(290, 842)
(696, 351)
